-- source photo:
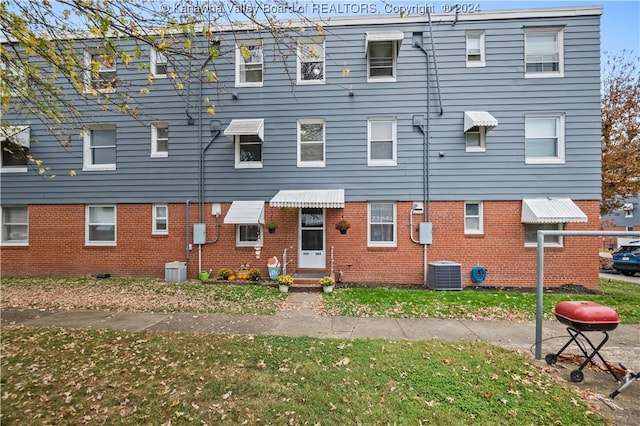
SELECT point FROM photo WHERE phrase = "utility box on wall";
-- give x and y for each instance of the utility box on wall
(426, 233)
(199, 233)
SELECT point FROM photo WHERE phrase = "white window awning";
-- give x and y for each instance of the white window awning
(373, 36)
(475, 119)
(20, 135)
(245, 213)
(627, 206)
(245, 127)
(318, 198)
(551, 210)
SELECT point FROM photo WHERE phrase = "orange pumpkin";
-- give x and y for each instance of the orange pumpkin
(231, 278)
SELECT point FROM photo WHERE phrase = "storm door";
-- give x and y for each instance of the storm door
(312, 252)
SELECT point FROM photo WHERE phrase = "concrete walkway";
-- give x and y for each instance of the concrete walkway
(300, 317)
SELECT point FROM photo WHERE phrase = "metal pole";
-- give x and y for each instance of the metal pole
(540, 271)
(539, 294)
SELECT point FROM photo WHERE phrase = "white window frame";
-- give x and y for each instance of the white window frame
(245, 243)
(468, 229)
(549, 240)
(89, 223)
(88, 148)
(370, 223)
(157, 58)
(314, 163)
(528, 32)
(240, 62)
(481, 131)
(628, 214)
(23, 168)
(394, 63)
(89, 78)
(480, 36)
(394, 141)
(306, 48)
(559, 137)
(6, 240)
(248, 164)
(158, 217)
(155, 151)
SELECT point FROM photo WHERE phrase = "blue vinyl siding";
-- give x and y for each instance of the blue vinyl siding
(500, 88)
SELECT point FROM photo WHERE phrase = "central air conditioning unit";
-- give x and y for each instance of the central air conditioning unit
(445, 275)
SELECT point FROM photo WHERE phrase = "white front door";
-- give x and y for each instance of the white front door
(312, 253)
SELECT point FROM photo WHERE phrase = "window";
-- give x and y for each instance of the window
(101, 225)
(544, 138)
(160, 140)
(160, 219)
(475, 140)
(158, 63)
(249, 62)
(13, 79)
(531, 234)
(100, 71)
(628, 213)
(382, 61)
(381, 48)
(473, 218)
(15, 225)
(248, 235)
(248, 151)
(544, 56)
(382, 224)
(100, 148)
(475, 49)
(382, 142)
(310, 61)
(14, 143)
(311, 143)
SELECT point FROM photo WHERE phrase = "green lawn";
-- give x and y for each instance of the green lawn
(486, 304)
(85, 376)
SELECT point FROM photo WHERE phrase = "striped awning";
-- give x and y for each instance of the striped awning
(20, 135)
(374, 36)
(314, 198)
(245, 213)
(245, 127)
(551, 210)
(475, 119)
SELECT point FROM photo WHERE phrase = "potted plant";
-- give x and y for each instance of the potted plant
(327, 284)
(284, 281)
(271, 226)
(342, 226)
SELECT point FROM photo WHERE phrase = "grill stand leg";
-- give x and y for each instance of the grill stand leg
(577, 375)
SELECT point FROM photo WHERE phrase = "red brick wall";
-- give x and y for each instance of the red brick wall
(57, 245)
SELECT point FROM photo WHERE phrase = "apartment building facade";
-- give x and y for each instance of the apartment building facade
(437, 138)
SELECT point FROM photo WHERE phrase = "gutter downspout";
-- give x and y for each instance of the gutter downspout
(424, 128)
(426, 134)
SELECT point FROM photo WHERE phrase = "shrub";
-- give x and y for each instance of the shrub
(254, 274)
(225, 273)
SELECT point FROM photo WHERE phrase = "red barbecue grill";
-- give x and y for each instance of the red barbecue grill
(581, 317)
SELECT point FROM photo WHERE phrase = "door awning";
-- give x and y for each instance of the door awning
(551, 210)
(245, 213)
(475, 119)
(373, 36)
(20, 135)
(318, 198)
(245, 127)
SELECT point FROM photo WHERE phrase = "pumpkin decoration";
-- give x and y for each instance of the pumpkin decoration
(231, 278)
